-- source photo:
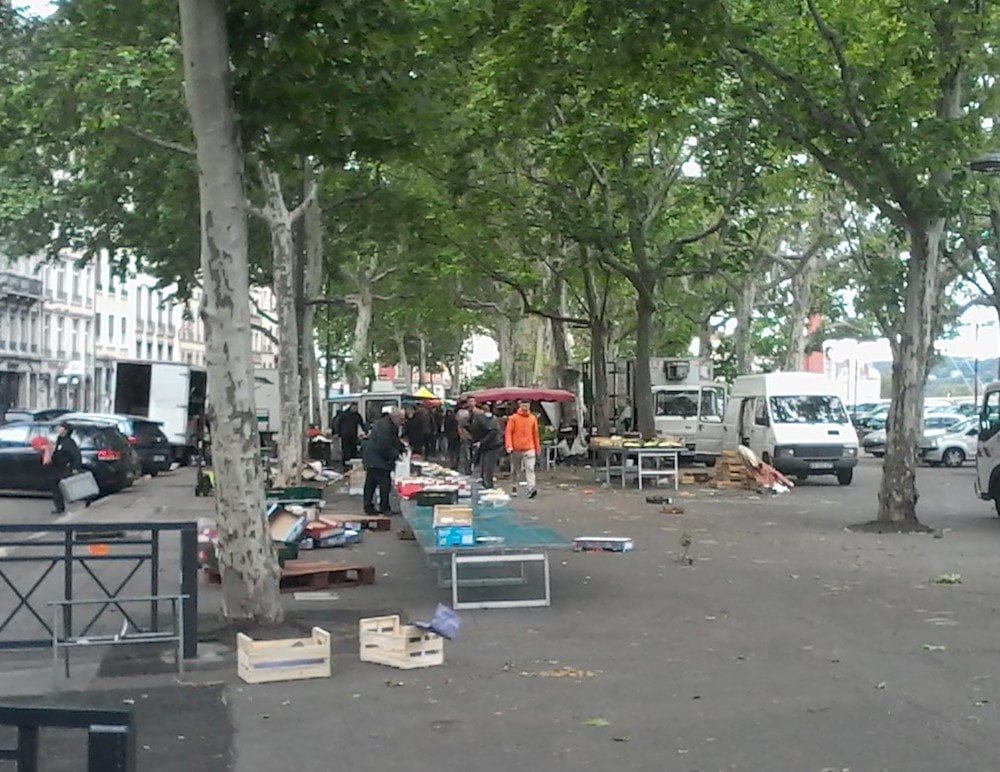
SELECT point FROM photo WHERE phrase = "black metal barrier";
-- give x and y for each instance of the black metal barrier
(110, 735)
(80, 549)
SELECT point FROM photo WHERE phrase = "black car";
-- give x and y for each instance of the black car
(104, 450)
(143, 434)
(24, 414)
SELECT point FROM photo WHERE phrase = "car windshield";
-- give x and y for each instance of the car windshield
(148, 433)
(683, 404)
(808, 409)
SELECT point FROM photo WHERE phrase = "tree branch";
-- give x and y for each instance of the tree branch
(165, 144)
(266, 333)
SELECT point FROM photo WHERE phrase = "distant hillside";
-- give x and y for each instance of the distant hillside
(951, 377)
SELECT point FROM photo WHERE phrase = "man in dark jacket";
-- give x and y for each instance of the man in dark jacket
(347, 426)
(64, 461)
(382, 448)
(488, 437)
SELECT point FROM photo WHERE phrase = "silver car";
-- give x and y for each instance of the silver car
(950, 447)
(934, 425)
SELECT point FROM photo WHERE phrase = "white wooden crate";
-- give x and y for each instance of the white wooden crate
(287, 659)
(387, 642)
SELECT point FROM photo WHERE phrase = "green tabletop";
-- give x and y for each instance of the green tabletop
(504, 522)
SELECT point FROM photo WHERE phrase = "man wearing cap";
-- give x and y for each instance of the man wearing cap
(382, 448)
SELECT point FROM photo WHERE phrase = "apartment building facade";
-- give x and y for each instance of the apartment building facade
(63, 328)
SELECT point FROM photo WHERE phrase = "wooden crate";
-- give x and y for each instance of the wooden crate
(385, 641)
(288, 659)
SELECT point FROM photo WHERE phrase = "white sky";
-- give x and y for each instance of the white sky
(34, 7)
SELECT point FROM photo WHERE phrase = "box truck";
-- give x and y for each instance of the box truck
(687, 402)
(171, 394)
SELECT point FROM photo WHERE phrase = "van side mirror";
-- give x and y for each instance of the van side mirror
(763, 420)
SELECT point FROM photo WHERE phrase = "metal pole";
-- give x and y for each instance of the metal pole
(189, 587)
(975, 383)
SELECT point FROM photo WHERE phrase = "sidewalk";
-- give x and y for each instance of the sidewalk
(787, 644)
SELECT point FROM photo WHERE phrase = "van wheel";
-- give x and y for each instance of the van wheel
(845, 476)
(953, 457)
(996, 504)
(710, 462)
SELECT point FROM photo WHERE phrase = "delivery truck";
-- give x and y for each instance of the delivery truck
(171, 394)
(688, 403)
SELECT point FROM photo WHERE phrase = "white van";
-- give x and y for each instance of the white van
(794, 421)
(988, 453)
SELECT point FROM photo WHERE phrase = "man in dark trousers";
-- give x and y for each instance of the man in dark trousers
(488, 437)
(382, 448)
(348, 424)
(64, 461)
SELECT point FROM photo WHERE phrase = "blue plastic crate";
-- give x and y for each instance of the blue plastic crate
(455, 536)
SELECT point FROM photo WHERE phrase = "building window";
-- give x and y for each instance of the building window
(60, 282)
(159, 352)
(138, 349)
(111, 328)
(97, 325)
(170, 352)
(61, 336)
(138, 303)
(76, 284)
(149, 351)
(75, 340)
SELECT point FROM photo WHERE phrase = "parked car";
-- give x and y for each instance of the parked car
(104, 450)
(874, 442)
(22, 414)
(950, 447)
(143, 434)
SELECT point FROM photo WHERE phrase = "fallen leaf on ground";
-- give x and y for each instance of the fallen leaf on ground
(933, 647)
(948, 579)
(598, 722)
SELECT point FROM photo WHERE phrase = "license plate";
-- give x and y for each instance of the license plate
(820, 465)
(159, 458)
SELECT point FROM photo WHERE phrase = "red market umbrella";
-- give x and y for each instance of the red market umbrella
(518, 393)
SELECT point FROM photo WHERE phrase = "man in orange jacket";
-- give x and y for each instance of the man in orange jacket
(521, 440)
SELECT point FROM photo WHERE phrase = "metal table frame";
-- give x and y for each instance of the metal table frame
(640, 470)
(521, 558)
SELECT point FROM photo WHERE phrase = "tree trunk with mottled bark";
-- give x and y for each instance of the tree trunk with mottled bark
(364, 304)
(645, 307)
(746, 299)
(898, 495)
(798, 313)
(312, 286)
(599, 374)
(504, 335)
(247, 562)
(283, 261)
(404, 363)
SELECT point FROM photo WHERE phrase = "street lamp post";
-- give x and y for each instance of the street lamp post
(975, 384)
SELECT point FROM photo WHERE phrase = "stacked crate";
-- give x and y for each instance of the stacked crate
(731, 473)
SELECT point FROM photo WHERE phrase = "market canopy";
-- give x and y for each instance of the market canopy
(424, 393)
(518, 393)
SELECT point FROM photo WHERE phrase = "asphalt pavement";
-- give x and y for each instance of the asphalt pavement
(786, 643)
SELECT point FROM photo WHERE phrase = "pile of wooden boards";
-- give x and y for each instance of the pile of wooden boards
(731, 473)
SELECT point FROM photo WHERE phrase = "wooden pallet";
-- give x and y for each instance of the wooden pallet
(731, 473)
(385, 641)
(695, 478)
(287, 659)
(314, 575)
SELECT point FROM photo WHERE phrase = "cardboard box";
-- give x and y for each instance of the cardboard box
(455, 536)
(452, 514)
(286, 527)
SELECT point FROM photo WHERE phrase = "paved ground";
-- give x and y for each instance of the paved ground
(789, 644)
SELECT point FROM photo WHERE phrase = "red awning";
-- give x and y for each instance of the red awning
(517, 393)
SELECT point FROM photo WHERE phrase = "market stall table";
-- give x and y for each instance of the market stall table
(648, 463)
(503, 538)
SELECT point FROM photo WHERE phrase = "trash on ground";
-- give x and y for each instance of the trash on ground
(563, 672)
(598, 722)
(948, 579)
(603, 544)
(934, 647)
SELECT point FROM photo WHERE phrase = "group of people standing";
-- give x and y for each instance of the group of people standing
(476, 439)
